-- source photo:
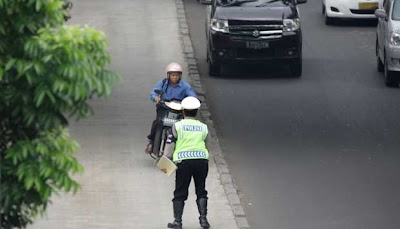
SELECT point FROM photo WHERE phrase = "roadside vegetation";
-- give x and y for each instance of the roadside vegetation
(48, 73)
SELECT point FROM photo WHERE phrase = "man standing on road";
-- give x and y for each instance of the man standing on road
(187, 142)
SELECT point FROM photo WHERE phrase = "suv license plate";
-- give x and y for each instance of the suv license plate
(257, 44)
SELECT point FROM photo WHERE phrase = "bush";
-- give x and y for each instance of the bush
(48, 72)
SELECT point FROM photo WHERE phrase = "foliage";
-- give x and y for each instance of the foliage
(48, 72)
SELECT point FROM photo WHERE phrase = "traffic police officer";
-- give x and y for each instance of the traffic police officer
(187, 142)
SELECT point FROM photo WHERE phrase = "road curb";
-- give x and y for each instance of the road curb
(213, 142)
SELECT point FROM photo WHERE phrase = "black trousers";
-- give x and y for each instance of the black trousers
(196, 168)
(157, 122)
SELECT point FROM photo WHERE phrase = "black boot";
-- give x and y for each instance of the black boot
(202, 206)
(178, 211)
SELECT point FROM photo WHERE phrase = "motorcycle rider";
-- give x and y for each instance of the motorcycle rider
(186, 147)
(172, 87)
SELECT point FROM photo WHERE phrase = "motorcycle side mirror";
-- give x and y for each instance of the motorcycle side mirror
(157, 91)
(380, 13)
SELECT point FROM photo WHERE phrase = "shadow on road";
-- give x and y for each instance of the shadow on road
(355, 23)
(255, 71)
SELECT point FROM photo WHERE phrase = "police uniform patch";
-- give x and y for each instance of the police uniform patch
(191, 154)
(192, 128)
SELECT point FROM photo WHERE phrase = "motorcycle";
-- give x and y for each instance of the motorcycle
(171, 112)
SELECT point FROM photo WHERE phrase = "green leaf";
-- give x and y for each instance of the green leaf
(27, 67)
(20, 172)
(10, 64)
(2, 30)
(47, 58)
(29, 78)
(51, 97)
(29, 182)
(30, 119)
(40, 98)
(48, 173)
(38, 68)
(7, 202)
(46, 193)
(67, 184)
(1, 74)
(38, 184)
(15, 159)
(107, 89)
(77, 96)
(24, 152)
(38, 5)
(19, 64)
(75, 187)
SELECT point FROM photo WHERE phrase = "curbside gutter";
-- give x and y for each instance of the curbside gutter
(213, 142)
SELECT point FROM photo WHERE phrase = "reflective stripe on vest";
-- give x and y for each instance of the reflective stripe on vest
(190, 142)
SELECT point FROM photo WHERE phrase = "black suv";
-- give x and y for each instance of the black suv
(253, 31)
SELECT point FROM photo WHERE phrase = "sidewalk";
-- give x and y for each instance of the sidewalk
(120, 187)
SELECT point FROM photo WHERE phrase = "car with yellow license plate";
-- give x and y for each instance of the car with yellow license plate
(350, 9)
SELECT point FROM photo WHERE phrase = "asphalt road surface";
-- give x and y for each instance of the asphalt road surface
(317, 152)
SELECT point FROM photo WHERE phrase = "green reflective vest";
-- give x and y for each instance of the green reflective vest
(190, 143)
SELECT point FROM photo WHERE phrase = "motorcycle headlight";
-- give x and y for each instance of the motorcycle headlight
(220, 25)
(291, 25)
(395, 38)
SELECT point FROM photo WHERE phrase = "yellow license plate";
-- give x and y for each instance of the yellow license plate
(367, 5)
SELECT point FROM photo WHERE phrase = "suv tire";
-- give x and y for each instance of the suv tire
(389, 77)
(214, 69)
(296, 67)
(328, 20)
(379, 65)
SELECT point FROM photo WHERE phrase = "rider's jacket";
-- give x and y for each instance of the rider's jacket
(180, 91)
(190, 140)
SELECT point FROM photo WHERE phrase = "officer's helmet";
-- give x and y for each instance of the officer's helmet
(190, 103)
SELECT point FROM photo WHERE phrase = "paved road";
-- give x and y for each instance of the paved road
(317, 152)
(121, 189)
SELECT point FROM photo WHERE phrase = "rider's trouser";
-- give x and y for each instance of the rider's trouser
(155, 124)
(196, 168)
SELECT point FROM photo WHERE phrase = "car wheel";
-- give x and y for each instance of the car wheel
(379, 64)
(296, 67)
(214, 69)
(328, 20)
(389, 77)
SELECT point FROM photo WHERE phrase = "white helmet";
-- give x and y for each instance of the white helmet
(190, 103)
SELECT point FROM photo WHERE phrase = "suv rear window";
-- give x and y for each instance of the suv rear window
(253, 3)
(396, 10)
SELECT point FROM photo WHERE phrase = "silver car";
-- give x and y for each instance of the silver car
(388, 41)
